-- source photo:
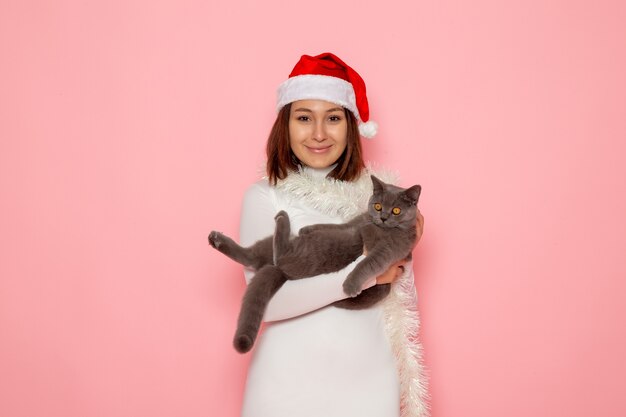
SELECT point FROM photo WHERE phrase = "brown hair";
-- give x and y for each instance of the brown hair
(281, 160)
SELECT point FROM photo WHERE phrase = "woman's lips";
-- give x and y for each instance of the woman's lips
(319, 150)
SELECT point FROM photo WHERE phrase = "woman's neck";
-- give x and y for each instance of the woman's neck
(317, 172)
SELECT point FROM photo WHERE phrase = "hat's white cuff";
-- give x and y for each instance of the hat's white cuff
(317, 87)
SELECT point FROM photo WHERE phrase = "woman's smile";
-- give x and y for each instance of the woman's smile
(319, 149)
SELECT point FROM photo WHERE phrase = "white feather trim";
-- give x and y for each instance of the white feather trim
(346, 200)
(402, 326)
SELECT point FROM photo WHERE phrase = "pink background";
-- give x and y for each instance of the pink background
(130, 129)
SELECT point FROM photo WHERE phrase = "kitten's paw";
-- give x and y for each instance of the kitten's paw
(215, 239)
(243, 343)
(281, 216)
(352, 288)
(306, 230)
(283, 227)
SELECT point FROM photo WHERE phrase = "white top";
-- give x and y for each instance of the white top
(312, 359)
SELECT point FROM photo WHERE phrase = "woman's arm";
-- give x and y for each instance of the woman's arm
(295, 297)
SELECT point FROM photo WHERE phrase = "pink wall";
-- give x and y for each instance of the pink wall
(129, 129)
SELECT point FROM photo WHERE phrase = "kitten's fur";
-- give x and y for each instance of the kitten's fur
(324, 248)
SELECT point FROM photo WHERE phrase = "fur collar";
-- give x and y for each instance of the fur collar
(332, 197)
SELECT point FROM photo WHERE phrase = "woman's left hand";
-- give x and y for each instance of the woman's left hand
(419, 226)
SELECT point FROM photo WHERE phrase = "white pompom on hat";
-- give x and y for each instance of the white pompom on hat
(326, 77)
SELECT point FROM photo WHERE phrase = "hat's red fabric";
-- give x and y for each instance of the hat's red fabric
(330, 65)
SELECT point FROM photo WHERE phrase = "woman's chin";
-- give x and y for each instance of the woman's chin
(319, 164)
(318, 161)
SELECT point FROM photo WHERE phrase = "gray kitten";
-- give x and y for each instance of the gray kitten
(387, 232)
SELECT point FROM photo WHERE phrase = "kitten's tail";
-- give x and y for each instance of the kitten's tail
(259, 292)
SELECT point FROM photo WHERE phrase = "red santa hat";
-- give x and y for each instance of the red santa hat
(326, 77)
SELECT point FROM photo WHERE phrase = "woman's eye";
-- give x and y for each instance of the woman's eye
(334, 118)
(378, 207)
(303, 118)
(396, 210)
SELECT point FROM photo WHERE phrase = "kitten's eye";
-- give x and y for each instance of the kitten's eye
(378, 207)
(396, 210)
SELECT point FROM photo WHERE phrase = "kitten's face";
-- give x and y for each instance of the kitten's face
(392, 206)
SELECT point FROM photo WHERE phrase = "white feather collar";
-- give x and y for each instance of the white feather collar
(333, 197)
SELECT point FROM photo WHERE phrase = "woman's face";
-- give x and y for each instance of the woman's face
(318, 132)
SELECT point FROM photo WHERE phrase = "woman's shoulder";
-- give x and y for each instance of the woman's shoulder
(259, 192)
(260, 188)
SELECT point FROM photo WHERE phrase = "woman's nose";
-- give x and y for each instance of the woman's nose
(319, 134)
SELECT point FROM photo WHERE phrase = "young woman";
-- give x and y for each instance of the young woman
(313, 359)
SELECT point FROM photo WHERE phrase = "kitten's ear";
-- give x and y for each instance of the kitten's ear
(413, 193)
(379, 186)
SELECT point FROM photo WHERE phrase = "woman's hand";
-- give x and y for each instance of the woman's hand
(392, 274)
(419, 227)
